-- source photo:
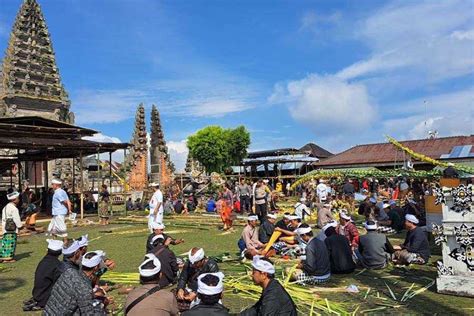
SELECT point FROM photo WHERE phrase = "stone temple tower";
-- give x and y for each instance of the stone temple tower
(160, 162)
(137, 159)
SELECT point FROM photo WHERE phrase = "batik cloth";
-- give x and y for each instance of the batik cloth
(302, 278)
(8, 246)
(104, 209)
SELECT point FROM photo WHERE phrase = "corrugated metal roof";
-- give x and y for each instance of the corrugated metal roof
(387, 153)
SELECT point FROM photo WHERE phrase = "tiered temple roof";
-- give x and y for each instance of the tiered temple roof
(137, 159)
(30, 83)
(161, 166)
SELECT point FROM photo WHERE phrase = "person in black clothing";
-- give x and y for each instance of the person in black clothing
(267, 228)
(348, 189)
(197, 264)
(169, 264)
(284, 223)
(210, 288)
(158, 230)
(316, 267)
(274, 301)
(416, 248)
(340, 253)
(47, 273)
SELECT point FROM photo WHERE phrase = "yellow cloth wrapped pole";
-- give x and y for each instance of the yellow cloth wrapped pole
(272, 240)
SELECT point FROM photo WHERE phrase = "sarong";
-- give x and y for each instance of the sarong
(104, 209)
(226, 214)
(8, 246)
(58, 226)
(302, 278)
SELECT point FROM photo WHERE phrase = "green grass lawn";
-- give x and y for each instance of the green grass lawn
(125, 243)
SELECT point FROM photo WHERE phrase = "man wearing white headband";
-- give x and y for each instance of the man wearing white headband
(158, 229)
(46, 274)
(348, 229)
(210, 288)
(196, 265)
(72, 255)
(156, 206)
(274, 299)
(340, 252)
(315, 268)
(61, 206)
(169, 263)
(374, 248)
(74, 289)
(267, 228)
(150, 298)
(249, 237)
(11, 223)
(416, 248)
(301, 209)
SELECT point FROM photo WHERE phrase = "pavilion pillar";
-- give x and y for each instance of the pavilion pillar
(36, 185)
(82, 186)
(11, 175)
(73, 175)
(110, 182)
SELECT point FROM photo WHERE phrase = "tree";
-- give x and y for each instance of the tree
(217, 148)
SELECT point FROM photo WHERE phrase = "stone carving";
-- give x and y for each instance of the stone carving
(444, 270)
(440, 198)
(438, 234)
(464, 254)
(462, 199)
(464, 235)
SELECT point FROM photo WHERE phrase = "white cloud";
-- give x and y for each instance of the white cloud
(178, 152)
(327, 103)
(101, 138)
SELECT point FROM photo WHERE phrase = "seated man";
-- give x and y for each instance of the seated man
(73, 291)
(129, 205)
(197, 264)
(72, 255)
(316, 267)
(47, 273)
(274, 300)
(158, 229)
(324, 215)
(211, 205)
(169, 263)
(322, 234)
(348, 229)
(374, 248)
(302, 210)
(267, 228)
(210, 288)
(158, 301)
(340, 253)
(250, 237)
(393, 220)
(416, 248)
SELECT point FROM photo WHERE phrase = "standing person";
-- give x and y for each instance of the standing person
(11, 223)
(104, 202)
(226, 212)
(61, 206)
(210, 288)
(47, 273)
(316, 267)
(347, 228)
(274, 301)
(416, 248)
(73, 293)
(374, 248)
(156, 206)
(322, 191)
(260, 200)
(149, 298)
(244, 195)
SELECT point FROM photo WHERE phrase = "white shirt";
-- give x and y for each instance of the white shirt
(322, 190)
(301, 208)
(11, 211)
(155, 199)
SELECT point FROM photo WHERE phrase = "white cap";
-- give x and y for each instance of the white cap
(293, 217)
(330, 224)
(205, 289)
(370, 227)
(262, 265)
(154, 184)
(303, 230)
(344, 215)
(13, 195)
(270, 215)
(56, 181)
(199, 255)
(412, 218)
(83, 240)
(155, 225)
(147, 272)
(54, 244)
(72, 248)
(160, 236)
(252, 218)
(95, 260)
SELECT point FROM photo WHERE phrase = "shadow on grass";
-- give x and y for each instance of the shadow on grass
(23, 255)
(10, 284)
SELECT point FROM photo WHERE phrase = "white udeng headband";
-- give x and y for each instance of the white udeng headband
(84, 241)
(160, 236)
(370, 227)
(252, 218)
(54, 244)
(150, 272)
(330, 224)
(293, 217)
(262, 265)
(56, 181)
(412, 218)
(13, 196)
(72, 248)
(199, 255)
(156, 225)
(95, 260)
(272, 216)
(303, 230)
(344, 215)
(205, 289)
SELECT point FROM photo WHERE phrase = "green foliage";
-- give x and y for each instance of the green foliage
(217, 148)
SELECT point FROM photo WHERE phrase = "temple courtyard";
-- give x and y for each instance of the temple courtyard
(379, 292)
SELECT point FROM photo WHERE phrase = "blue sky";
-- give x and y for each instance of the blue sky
(335, 73)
